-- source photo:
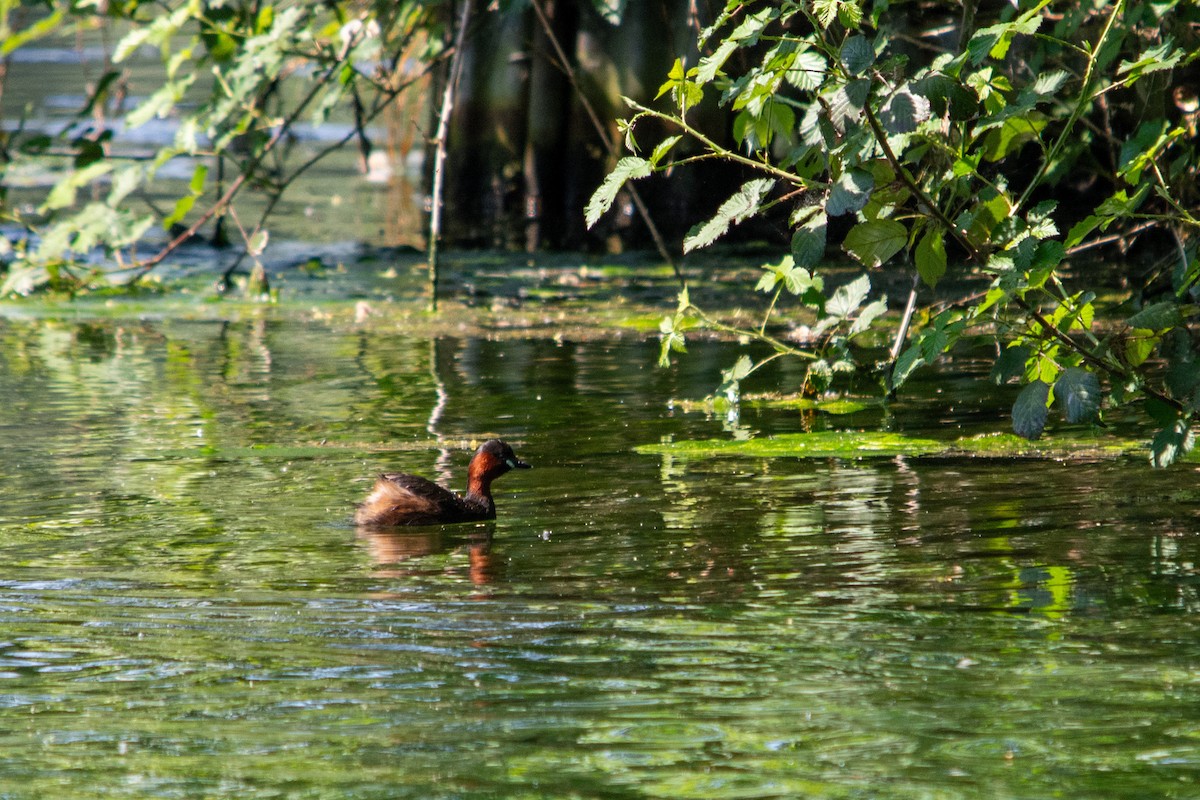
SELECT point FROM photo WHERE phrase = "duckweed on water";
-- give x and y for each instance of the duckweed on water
(875, 444)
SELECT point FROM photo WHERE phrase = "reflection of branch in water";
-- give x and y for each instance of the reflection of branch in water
(442, 464)
(391, 548)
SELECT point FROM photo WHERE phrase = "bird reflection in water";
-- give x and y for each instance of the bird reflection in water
(402, 553)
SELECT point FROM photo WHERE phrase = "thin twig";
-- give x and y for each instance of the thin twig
(439, 156)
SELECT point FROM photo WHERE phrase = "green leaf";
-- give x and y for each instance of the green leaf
(869, 314)
(182, 206)
(1078, 391)
(1162, 57)
(807, 71)
(1139, 345)
(258, 243)
(1012, 135)
(1046, 85)
(711, 65)
(995, 40)
(742, 205)
(796, 280)
(930, 256)
(160, 103)
(947, 96)
(628, 168)
(1157, 317)
(1010, 364)
(63, 193)
(848, 297)
(124, 181)
(850, 193)
(1030, 410)
(808, 242)
(876, 241)
(157, 33)
(906, 364)
(849, 13)
(731, 378)
(1173, 441)
(1121, 204)
(847, 103)
(671, 339)
(685, 92)
(903, 112)
(43, 27)
(826, 11)
(1080, 230)
(663, 148)
(857, 54)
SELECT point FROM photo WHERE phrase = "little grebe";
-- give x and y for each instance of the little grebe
(402, 499)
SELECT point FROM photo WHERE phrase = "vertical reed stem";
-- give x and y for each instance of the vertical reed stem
(439, 157)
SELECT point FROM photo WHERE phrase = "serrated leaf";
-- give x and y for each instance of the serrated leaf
(1030, 411)
(808, 242)
(826, 11)
(849, 13)
(1078, 391)
(850, 193)
(857, 54)
(847, 103)
(1049, 83)
(1139, 345)
(930, 256)
(671, 339)
(807, 71)
(1010, 364)
(874, 242)
(663, 148)
(1173, 441)
(1157, 317)
(710, 65)
(869, 314)
(995, 40)
(905, 365)
(628, 168)
(903, 112)
(1162, 57)
(734, 210)
(848, 297)
(1013, 135)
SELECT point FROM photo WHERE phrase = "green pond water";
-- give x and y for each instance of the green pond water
(186, 610)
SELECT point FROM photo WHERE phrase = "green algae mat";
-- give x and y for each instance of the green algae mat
(857, 445)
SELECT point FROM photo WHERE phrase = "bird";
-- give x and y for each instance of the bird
(399, 498)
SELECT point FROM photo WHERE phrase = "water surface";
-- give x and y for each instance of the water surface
(186, 611)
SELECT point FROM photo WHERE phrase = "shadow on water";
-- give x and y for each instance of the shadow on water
(186, 610)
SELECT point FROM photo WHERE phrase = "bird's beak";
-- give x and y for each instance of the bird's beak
(514, 463)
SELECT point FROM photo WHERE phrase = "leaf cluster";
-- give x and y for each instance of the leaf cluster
(238, 79)
(963, 161)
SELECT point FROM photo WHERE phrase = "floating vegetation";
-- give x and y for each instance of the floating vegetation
(870, 444)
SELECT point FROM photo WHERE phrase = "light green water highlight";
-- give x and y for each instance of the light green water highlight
(185, 610)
